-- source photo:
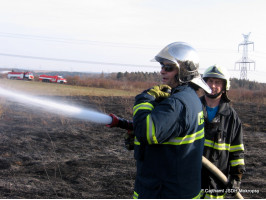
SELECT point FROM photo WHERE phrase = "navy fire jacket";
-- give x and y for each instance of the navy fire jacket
(168, 145)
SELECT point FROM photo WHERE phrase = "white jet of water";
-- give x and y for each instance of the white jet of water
(54, 107)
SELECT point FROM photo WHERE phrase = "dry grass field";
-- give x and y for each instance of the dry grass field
(46, 155)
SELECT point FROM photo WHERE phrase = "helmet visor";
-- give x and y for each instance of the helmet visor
(201, 83)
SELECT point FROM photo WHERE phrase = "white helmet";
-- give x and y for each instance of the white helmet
(187, 61)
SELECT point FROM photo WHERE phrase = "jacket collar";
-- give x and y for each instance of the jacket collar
(223, 109)
(179, 88)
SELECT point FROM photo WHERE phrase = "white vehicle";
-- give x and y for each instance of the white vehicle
(20, 75)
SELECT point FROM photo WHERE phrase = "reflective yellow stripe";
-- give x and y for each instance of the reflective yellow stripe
(136, 142)
(200, 118)
(135, 195)
(210, 196)
(237, 148)
(150, 131)
(197, 197)
(187, 139)
(181, 140)
(218, 146)
(237, 162)
(223, 146)
(142, 106)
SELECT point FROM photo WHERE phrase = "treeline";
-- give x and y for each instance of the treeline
(138, 76)
(150, 77)
(240, 90)
(135, 81)
(246, 84)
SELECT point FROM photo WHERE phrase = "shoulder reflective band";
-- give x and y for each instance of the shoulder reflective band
(142, 106)
(237, 162)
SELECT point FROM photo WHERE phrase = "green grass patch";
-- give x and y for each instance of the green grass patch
(54, 89)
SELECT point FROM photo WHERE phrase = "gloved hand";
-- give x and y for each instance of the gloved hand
(160, 91)
(115, 121)
(129, 138)
(233, 185)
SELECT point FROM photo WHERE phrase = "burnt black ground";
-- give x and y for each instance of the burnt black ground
(45, 155)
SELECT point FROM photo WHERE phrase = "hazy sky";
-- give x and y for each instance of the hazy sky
(124, 35)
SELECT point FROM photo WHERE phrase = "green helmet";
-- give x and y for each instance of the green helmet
(221, 73)
(217, 72)
(186, 60)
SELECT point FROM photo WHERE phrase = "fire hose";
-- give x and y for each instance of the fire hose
(215, 171)
(128, 125)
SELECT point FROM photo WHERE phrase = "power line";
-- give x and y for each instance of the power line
(100, 43)
(74, 61)
(76, 41)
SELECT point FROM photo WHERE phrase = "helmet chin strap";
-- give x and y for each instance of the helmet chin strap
(213, 96)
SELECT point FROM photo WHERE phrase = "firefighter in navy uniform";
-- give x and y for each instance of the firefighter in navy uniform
(169, 128)
(223, 136)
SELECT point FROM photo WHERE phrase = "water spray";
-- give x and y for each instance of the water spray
(54, 107)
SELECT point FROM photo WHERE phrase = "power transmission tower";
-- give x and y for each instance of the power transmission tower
(245, 62)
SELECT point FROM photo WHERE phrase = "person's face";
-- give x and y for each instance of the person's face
(216, 85)
(169, 71)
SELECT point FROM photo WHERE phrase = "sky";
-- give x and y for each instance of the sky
(124, 35)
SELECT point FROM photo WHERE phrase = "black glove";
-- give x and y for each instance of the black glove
(233, 185)
(129, 138)
(120, 123)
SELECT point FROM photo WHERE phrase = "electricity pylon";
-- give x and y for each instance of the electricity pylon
(245, 62)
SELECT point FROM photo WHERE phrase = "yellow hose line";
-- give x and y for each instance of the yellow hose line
(213, 169)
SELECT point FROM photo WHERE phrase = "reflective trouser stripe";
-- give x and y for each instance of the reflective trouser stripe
(237, 162)
(198, 196)
(210, 196)
(135, 195)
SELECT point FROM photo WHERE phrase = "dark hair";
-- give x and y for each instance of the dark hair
(194, 86)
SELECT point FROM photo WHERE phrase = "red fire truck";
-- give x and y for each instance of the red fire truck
(52, 79)
(20, 75)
